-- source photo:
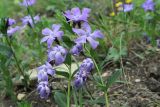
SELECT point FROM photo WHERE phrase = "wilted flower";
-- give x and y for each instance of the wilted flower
(27, 20)
(84, 70)
(52, 34)
(12, 30)
(85, 34)
(11, 22)
(57, 54)
(76, 15)
(148, 5)
(128, 7)
(27, 3)
(43, 89)
(76, 49)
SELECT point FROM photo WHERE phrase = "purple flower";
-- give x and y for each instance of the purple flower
(27, 3)
(76, 49)
(11, 22)
(76, 15)
(42, 75)
(158, 43)
(57, 54)
(44, 71)
(43, 89)
(148, 5)
(12, 30)
(85, 34)
(84, 70)
(52, 34)
(128, 7)
(27, 20)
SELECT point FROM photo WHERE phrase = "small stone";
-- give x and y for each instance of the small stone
(137, 80)
(21, 96)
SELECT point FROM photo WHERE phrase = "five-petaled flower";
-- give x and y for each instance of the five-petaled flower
(128, 7)
(85, 34)
(27, 20)
(52, 35)
(43, 89)
(148, 5)
(57, 54)
(76, 15)
(27, 3)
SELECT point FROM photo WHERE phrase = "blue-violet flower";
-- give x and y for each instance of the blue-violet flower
(85, 34)
(57, 54)
(27, 20)
(148, 5)
(84, 70)
(11, 22)
(52, 34)
(12, 30)
(27, 3)
(128, 7)
(76, 49)
(44, 71)
(76, 15)
(43, 89)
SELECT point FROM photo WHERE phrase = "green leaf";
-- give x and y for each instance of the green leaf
(24, 104)
(68, 41)
(113, 54)
(100, 100)
(60, 99)
(68, 60)
(63, 73)
(5, 50)
(112, 79)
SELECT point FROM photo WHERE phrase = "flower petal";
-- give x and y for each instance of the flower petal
(58, 58)
(86, 27)
(92, 42)
(46, 31)
(56, 27)
(76, 11)
(44, 39)
(79, 32)
(97, 34)
(81, 40)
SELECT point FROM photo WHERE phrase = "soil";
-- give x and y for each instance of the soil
(142, 88)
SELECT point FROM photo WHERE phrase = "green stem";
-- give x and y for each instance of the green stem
(69, 86)
(99, 73)
(17, 63)
(106, 99)
(68, 95)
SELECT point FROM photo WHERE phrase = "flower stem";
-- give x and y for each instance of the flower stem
(17, 63)
(99, 73)
(68, 95)
(106, 99)
(69, 86)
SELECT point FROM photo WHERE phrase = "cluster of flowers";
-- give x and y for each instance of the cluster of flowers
(128, 6)
(57, 54)
(27, 20)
